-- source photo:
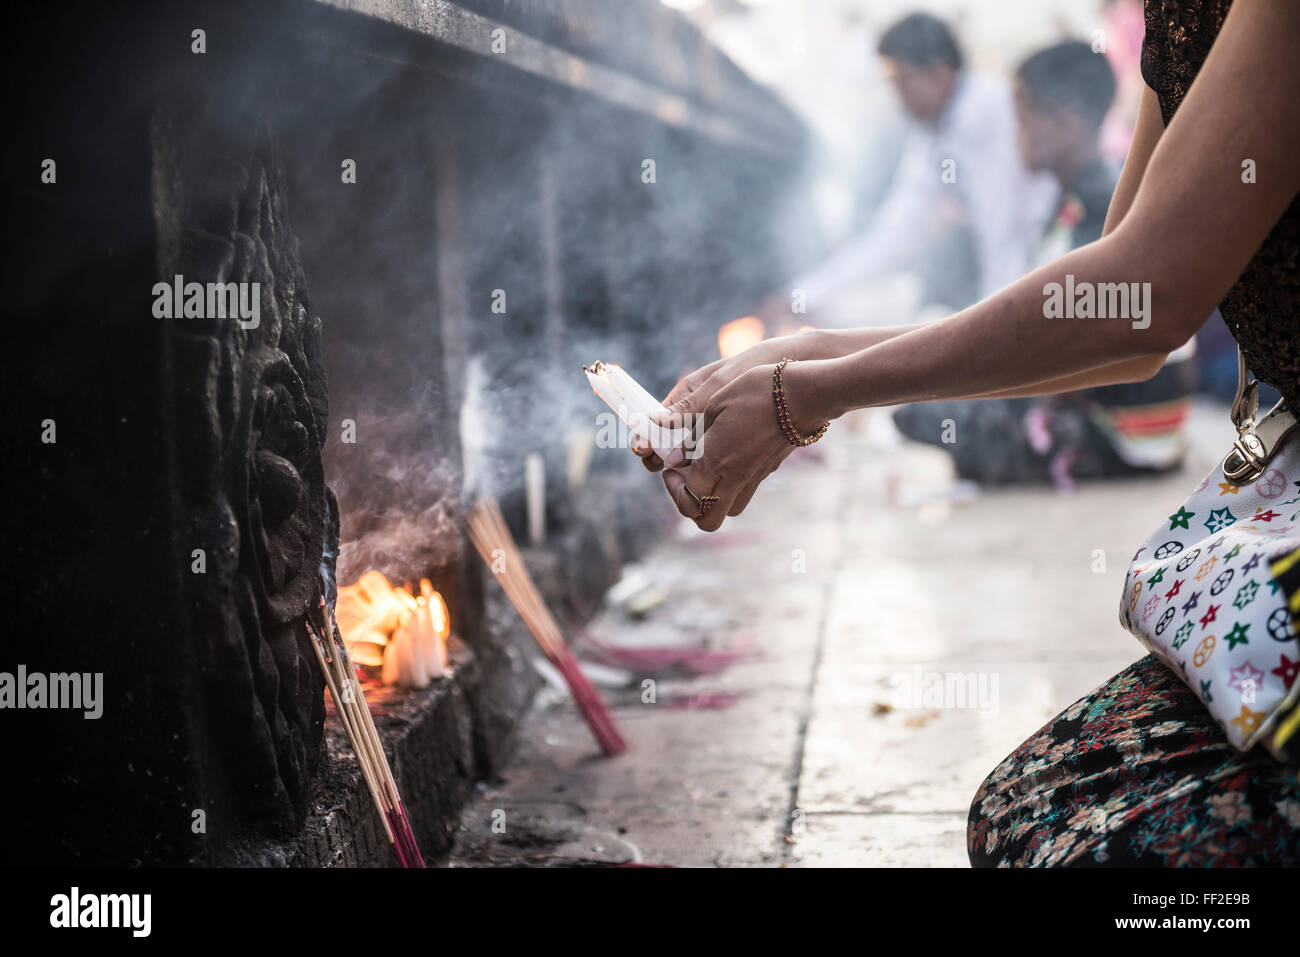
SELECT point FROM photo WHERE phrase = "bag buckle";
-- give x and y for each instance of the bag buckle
(1257, 445)
(1249, 456)
(1247, 460)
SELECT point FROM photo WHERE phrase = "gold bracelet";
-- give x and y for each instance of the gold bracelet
(783, 413)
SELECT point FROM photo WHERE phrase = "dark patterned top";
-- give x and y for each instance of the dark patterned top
(1263, 308)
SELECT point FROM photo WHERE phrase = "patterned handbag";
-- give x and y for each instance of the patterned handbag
(1215, 593)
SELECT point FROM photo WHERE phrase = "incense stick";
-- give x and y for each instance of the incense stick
(347, 726)
(491, 537)
(398, 807)
(370, 734)
(357, 722)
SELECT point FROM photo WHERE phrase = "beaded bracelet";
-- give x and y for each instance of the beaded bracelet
(783, 412)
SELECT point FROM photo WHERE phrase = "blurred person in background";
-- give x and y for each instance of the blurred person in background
(1121, 41)
(1062, 97)
(961, 210)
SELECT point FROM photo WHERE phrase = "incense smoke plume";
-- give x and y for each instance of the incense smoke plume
(582, 230)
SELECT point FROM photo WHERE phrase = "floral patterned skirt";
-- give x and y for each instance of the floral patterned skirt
(1136, 774)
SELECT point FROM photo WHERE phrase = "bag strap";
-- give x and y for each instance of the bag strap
(1256, 443)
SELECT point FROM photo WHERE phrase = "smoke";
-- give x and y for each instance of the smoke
(501, 232)
(400, 514)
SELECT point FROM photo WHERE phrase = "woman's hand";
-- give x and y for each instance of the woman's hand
(692, 394)
(740, 441)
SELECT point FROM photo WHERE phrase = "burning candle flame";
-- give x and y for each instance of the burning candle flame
(393, 629)
(739, 334)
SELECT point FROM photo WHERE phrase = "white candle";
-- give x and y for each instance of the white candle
(580, 443)
(408, 666)
(640, 400)
(421, 666)
(634, 405)
(439, 625)
(392, 673)
(604, 388)
(408, 669)
(435, 655)
(535, 496)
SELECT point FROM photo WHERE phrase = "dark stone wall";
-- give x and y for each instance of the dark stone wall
(246, 411)
(90, 581)
(172, 435)
(184, 434)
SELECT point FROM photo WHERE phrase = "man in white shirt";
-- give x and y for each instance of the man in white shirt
(960, 167)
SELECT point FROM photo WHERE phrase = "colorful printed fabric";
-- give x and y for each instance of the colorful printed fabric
(1150, 436)
(1201, 594)
(1286, 739)
(1146, 422)
(1136, 774)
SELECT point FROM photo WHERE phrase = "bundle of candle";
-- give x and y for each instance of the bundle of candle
(389, 627)
(350, 705)
(494, 542)
(635, 406)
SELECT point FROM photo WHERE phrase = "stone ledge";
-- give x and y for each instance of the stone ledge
(443, 739)
(439, 740)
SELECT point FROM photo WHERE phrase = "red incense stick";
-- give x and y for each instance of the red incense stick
(497, 546)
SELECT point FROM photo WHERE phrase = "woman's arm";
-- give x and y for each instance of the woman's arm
(1192, 228)
(693, 391)
(809, 344)
(698, 387)
(1146, 134)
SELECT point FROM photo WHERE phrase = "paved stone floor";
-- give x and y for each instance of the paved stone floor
(857, 585)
